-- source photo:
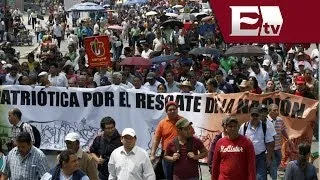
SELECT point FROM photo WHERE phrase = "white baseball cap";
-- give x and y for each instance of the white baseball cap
(128, 131)
(72, 137)
(43, 73)
(266, 62)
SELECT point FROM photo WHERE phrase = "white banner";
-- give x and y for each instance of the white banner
(56, 111)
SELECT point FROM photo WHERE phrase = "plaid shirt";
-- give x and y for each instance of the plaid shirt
(26, 128)
(31, 167)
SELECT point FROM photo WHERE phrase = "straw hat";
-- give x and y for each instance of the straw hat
(185, 83)
(244, 84)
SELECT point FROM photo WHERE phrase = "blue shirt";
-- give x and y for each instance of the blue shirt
(33, 166)
(225, 87)
(294, 172)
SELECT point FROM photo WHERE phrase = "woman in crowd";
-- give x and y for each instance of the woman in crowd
(162, 88)
(255, 87)
(270, 87)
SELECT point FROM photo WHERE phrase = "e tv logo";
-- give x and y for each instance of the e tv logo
(268, 21)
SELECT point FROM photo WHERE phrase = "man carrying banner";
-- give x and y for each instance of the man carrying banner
(104, 144)
(280, 128)
(231, 152)
(14, 117)
(166, 131)
(261, 135)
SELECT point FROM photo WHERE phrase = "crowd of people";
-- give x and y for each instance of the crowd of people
(247, 151)
(116, 156)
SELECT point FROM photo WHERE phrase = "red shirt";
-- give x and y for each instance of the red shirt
(185, 167)
(234, 159)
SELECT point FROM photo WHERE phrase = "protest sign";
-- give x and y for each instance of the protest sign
(57, 111)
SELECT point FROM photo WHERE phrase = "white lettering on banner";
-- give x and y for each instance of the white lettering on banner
(231, 148)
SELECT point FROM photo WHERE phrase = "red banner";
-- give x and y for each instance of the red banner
(98, 51)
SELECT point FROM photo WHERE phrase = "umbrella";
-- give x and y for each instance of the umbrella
(165, 58)
(172, 15)
(172, 23)
(245, 50)
(201, 15)
(87, 6)
(178, 6)
(133, 2)
(151, 13)
(205, 50)
(115, 27)
(106, 5)
(135, 61)
(187, 16)
(208, 18)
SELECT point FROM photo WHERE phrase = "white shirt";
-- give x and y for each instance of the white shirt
(48, 176)
(153, 88)
(57, 30)
(307, 65)
(199, 88)
(72, 38)
(257, 137)
(10, 80)
(181, 40)
(134, 165)
(96, 29)
(262, 78)
(97, 77)
(146, 54)
(158, 43)
(38, 27)
(59, 80)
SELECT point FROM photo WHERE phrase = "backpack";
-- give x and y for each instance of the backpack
(189, 149)
(264, 129)
(36, 134)
(189, 144)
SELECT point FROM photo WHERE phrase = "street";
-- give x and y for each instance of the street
(24, 50)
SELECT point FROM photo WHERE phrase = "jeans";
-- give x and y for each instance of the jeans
(261, 166)
(167, 169)
(276, 159)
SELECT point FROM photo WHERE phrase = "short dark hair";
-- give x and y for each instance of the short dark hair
(212, 82)
(65, 156)
(54, 64)
(14, 68)
(107, 120)
(17, 112)
(30, 55)
(304, 148)
(218, 72)
(138, 76)
(24, 137)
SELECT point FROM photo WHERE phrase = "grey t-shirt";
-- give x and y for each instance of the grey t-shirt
(294, 172)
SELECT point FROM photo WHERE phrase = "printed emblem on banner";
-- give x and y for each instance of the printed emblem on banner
(256, 21)
(97, 47)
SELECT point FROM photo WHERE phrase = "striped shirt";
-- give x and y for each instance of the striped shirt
(26, 128)
(279, 126)
(31, 167)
